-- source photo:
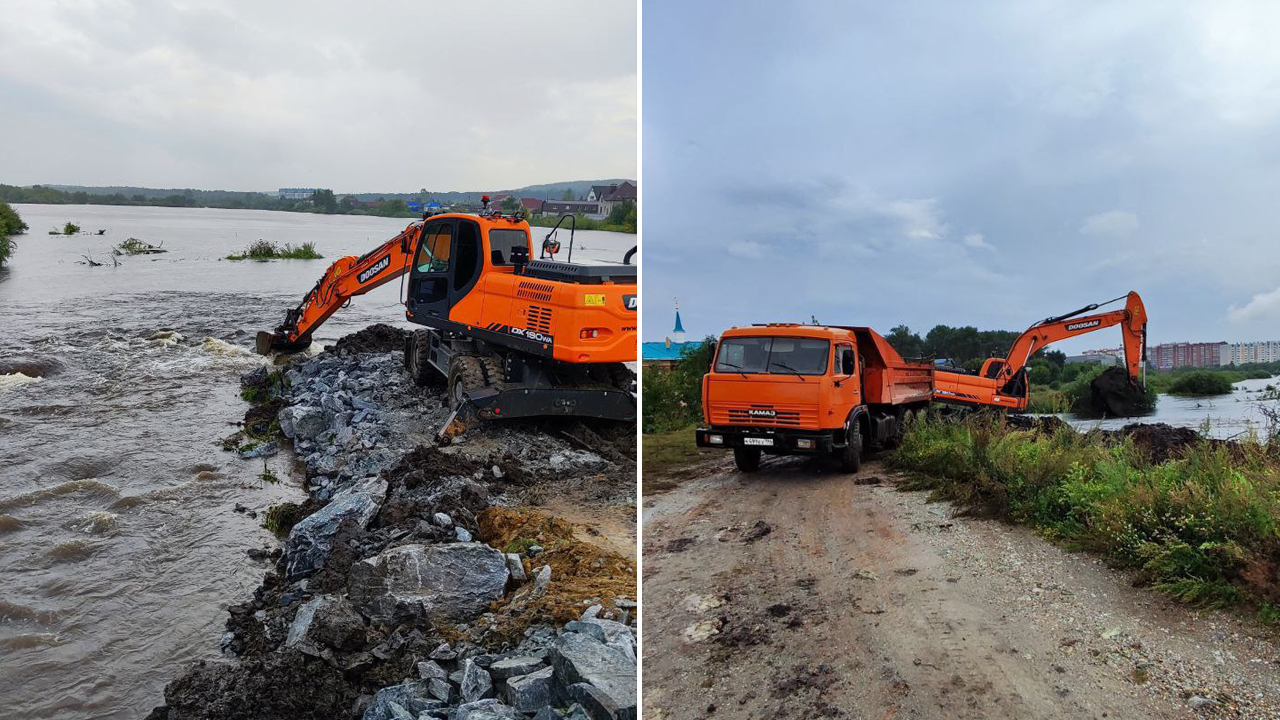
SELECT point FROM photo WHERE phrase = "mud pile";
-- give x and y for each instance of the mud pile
(1113, 394)
(378, 338)
(411, 584)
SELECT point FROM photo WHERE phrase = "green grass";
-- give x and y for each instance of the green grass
(1047, 400)
(267, 250)
(670, 456)
(1203, 528)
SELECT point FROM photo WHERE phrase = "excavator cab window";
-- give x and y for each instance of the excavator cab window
(433, 254)
(501, 242)
(429, 281)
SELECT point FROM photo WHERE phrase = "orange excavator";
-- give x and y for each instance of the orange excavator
(510, 336)
(1002, 382)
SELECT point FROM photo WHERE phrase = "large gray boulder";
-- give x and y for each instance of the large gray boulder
(451, 582)
(302, 422)
(515, 666)
(325, 621)
(311, 540)
(398, 701)
(528, 693)
(476, 683)
(486, 710)
(578, 658)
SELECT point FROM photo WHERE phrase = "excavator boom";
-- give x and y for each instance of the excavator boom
(1002, 381)
(346, 278)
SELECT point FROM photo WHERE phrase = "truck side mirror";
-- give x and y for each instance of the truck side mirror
(711, 355)
(847, 365)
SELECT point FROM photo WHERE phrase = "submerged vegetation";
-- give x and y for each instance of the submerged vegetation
(267, 250)
(10, 224)
(1199, 384)
(134, 246)
(1200, 524)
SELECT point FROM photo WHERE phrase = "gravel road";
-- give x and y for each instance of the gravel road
(800, 592)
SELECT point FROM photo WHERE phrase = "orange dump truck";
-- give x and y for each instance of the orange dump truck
(789, 389)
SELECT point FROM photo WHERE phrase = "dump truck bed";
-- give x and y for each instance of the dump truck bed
(887, 377)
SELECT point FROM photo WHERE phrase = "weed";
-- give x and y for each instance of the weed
(268, 475)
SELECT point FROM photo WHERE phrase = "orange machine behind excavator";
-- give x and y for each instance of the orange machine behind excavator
(511, 335)
(1003, 383)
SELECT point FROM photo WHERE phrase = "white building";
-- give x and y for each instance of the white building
(1262, 351)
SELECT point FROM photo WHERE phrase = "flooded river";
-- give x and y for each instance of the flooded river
(1225, 416)
(119, 545)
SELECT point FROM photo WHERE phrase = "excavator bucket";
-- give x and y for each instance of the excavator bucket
(269, 342)
(459, 421)
(1114, 394)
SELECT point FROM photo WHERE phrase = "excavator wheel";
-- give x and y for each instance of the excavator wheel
(415, 357)
(747, 458)
(465, 373)
(495, 375)
(621, 377)
(851, 456)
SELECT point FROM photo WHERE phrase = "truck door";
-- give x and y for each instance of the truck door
(429, 276)
(847, 385)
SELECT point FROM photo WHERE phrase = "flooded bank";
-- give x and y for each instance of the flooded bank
(120, 549)
(1223, 417)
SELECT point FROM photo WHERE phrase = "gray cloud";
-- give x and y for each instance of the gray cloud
(376, 97)
(940, 162)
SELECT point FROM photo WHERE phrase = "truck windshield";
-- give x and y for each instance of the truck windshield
(780, 355)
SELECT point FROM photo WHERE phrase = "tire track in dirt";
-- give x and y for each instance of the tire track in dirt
(846, 608)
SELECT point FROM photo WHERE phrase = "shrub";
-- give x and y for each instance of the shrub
(70, 229)
(673, 398)
(267, 250)
(1198, 384)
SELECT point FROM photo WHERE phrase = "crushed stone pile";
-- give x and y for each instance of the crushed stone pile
(413, 582)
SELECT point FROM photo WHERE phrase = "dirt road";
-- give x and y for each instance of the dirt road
(799, 592)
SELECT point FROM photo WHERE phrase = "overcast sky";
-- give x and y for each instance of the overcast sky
(236, 94)
(982, 164)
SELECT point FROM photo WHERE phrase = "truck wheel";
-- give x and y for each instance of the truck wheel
(747, 459)
(415, 357)
(851, 455)
(464, 375)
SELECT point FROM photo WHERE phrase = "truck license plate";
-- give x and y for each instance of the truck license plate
(767, 442)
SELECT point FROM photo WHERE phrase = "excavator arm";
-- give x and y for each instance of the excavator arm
(346, 278)
(1002, 382)
(1133, 326)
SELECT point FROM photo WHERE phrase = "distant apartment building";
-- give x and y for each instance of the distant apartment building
(1168, 356)
(1263, 351)
(297, 193)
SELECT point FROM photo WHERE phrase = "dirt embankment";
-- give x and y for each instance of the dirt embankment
(800, 592)
(423, 579)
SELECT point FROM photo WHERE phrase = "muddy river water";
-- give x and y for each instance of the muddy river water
(119, 544)
(1231, 416)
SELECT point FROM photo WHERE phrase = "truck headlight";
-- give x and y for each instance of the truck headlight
(715, 439)
(805, 443)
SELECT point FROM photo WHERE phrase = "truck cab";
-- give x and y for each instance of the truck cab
(785, 389)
